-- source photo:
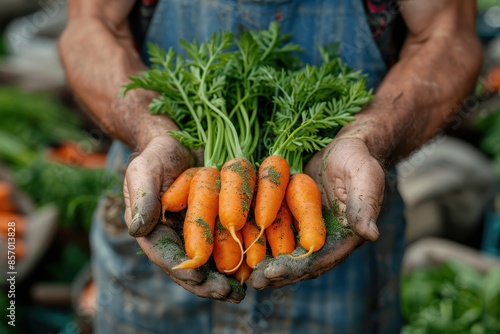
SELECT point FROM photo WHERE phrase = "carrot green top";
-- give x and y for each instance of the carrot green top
(219, 92)
(310, 106)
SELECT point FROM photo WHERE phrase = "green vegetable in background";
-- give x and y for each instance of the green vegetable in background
(490, 143)
(30, 123)
(451, 298)
(37, 119)
(483, 5)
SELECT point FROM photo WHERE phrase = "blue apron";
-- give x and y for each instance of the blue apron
(360, 295)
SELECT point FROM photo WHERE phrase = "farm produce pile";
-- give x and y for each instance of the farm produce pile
(258, 114)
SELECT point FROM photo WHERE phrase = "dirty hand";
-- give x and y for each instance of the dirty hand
(148, 175)
(347, 174)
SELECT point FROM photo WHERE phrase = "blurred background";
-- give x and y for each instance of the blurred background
(51, 177)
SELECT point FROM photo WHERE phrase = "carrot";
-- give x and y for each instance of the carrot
(493, 79)
(237, 180)
(69, 153)
(295, 224)
(175, 198)
(20, 223)
(93, 160)
(274, 174)
(203, 203)
(304, 200)
(280, 235)
(6, 203)
(227, 252)
(256, 251)
(243, 273)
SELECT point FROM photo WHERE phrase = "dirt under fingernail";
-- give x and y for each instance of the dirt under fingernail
(134, 226)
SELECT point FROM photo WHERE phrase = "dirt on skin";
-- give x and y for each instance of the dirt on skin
(248, 177)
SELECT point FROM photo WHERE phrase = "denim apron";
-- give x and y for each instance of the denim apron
(360, 295)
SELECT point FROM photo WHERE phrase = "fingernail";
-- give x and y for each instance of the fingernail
(216, 295)
(135, 226)
(374, 229)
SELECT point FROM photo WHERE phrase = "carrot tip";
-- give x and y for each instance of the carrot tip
(233, 234)
(303, 255)
(189, 264)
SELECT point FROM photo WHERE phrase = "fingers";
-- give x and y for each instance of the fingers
(147, 175)
(141, 191)
(218, 287)
(355, 180)
(146, 178)
(284, 270)
(164, 248)
(364, 199)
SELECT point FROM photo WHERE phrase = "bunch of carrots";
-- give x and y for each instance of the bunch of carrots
(258, 114)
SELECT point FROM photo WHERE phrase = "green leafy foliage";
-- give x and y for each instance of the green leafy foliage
(451, 298)
(75, 191)
(31, 122)
(214, 95)
(31, 118)
(73, 258)
(228, 88)
(311, 106)
(3, 50)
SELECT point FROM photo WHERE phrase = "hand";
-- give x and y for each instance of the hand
(346, 173)
(147, 177)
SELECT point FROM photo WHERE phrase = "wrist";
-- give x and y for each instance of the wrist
(139, 126)
(374, 135)
(385, 126)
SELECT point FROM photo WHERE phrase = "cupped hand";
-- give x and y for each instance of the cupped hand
(351, 179)
(148, 175)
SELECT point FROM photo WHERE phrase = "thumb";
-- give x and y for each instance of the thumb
(158, 164)
(141, 190)
(364, 199)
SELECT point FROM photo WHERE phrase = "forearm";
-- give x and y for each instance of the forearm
(98, 61)
(418, 96)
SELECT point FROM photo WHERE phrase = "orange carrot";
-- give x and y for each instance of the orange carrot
(274, 174)
(227, 252)
(203, 203)
(69, 153)
(295, 224)
(18, 226)
(176, 197)
(493, 79)
(237, 180)
(6, 203)
(280, 235)
(304, 200)
(243, 273)
(256, 251)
